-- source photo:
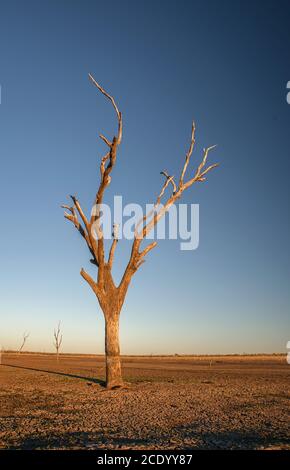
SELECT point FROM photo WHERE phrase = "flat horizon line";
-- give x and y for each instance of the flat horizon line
(8, 351)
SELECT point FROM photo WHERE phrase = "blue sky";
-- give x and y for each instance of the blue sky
(224, 64)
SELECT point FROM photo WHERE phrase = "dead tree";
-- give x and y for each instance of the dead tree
(57, 340)
(111, 296)
(25, 336)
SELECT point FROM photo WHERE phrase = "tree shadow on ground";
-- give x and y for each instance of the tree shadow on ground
(235, 438)
(79, 441)
(63, 374)
(198, 441)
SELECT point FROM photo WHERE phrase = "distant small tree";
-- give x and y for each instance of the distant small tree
(111, 296)
(25, 336)
(57, 340)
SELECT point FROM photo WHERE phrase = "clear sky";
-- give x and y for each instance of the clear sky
(224, 64)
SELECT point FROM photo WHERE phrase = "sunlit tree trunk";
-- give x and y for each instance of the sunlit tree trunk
(112, 349)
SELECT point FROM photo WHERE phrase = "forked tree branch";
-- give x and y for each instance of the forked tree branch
(91, 230)
(106, 167)
(86, 234)
(136, 258)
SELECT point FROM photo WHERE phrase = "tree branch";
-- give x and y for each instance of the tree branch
(96, 247)
(106, 166)
(87, 235)
(90, 281)
(81, 213)
(188, 155)
(199, 174)
(109, 144)
(170, 179)
(114, 245)
(119, 115)
(147, 249)
(136, 258)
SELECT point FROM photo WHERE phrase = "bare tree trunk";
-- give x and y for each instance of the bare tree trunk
(112, 348)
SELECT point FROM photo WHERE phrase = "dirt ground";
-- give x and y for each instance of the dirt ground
(236, 402)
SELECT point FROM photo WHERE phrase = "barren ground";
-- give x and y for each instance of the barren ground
(171, 403)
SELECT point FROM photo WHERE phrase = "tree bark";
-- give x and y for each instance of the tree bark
(112, 348)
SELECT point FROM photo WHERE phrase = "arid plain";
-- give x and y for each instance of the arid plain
(170, 402)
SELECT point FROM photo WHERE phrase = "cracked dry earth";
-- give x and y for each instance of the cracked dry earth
(171, 403)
